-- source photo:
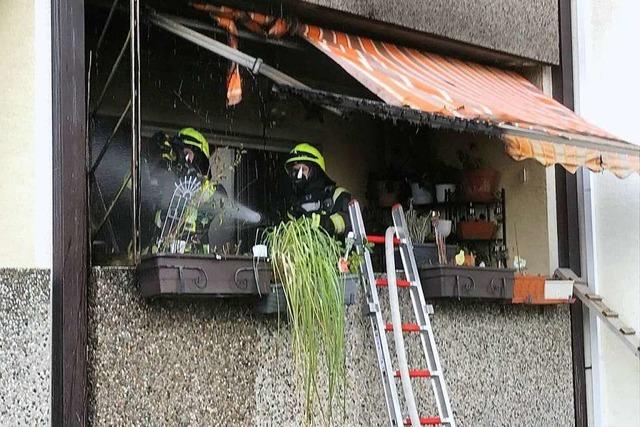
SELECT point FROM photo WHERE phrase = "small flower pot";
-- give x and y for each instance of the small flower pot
(444, 227)
(420, 195)
(442, 190)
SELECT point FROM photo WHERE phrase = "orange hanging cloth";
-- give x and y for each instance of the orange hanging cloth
(257, 23)
(234, 79)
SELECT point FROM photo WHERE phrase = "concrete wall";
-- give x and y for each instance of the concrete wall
(606, 76)
(214, 362)
(520, 27)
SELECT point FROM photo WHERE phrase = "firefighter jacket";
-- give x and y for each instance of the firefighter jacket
(326, 203)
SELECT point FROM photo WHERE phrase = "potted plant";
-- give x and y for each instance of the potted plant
(445, 177)
(476, 229)
(420, 230)
(421, 193)
(479, 183)
(304, 259)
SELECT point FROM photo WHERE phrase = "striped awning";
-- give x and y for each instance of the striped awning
(532, 124)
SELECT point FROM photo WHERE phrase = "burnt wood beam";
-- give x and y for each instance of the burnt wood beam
(70, 231)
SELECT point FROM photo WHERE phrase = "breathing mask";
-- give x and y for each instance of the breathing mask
(301, 174)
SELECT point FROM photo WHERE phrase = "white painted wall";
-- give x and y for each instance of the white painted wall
(608, 90)
(25, 126)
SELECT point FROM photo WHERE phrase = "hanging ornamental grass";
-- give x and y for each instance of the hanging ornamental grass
(304, 259)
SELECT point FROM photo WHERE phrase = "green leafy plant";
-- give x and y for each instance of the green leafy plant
(304, 259)
(419, 226)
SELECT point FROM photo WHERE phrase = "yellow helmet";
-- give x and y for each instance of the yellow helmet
(306, 153)
(190, 136)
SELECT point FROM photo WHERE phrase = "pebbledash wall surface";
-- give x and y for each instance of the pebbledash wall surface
(204, 362)
(25, 347)
(520, 27)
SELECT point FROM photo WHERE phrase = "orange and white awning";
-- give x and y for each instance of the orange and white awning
(532, 124)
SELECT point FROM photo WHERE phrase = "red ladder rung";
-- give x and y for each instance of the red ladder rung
(400, 282)
(425, 421)
(416, 373)
(380, 240)
(406, 327)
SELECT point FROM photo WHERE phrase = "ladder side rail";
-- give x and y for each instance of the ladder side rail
(396, 320)
(384, 354)
(373, 312)
(417, 296)
(430, 351)
(420, 310)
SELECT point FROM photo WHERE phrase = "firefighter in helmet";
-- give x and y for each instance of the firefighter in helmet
(314, 193)
(186, 154)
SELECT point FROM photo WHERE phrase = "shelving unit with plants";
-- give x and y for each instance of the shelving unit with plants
(477, 226)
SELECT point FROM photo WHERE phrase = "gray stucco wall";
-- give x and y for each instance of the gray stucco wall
(215, 362)
(520, 27)
(25, 347)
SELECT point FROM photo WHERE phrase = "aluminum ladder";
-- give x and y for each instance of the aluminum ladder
(397, 237)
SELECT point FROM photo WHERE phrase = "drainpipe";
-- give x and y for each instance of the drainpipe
(591, 324)
(581, 18)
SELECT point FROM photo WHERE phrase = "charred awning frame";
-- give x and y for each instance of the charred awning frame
(381, 110)
(339, 103)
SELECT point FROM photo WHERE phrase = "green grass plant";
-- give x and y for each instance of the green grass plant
(304, 258)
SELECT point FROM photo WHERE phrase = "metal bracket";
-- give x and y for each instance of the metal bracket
(372, 308)
(608, 316)
(255, 69)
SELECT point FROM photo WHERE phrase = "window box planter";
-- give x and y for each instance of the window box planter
(540, 290)
(166, 275)
(476, 230)
(447, 281)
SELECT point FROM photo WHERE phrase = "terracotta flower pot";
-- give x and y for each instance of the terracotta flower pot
(476, 230)
(480, 185)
